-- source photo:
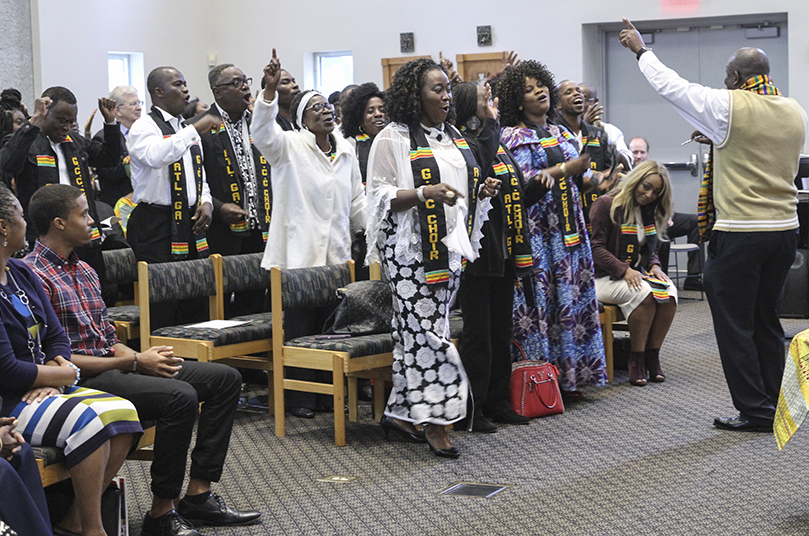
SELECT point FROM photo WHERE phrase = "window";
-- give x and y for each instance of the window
(333, 71)
(126, 69)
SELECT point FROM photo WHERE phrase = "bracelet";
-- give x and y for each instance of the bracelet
(420, 194)
(78, 374)
(563, 167)
(135, 363)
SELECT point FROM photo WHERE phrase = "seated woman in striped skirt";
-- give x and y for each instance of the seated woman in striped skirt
(37, 384)
(627, 223)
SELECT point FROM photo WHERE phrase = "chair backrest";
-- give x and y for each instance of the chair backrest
(244, 272)
(304, 288)
(181, 280)
(121, 266)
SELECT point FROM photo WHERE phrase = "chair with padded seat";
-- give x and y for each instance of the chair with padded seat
(367, 356)
(183, 280)
(121, 268)
(243, 273)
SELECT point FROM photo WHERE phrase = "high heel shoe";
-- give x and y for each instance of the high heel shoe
(389, 425)
(652, 360)
(451, 452)
(637, 370)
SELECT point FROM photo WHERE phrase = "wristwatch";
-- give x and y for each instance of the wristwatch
(641, 51)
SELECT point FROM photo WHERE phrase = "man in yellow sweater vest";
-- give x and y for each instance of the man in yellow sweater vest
(757, 138)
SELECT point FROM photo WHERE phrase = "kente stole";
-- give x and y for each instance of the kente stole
(630, 249)
(517, 241)
(76, 164)
(431, 214)
(181, 230)
(224, 160)
(561, 187)
(706, 211)
(363, 149)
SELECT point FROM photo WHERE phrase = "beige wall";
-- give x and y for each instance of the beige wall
(74, 37)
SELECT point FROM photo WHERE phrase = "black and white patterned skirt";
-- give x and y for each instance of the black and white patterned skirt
(429, 381)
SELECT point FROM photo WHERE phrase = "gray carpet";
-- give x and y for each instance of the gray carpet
(625, 460)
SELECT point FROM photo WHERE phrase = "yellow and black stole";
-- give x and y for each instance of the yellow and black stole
(561, 191)
(630, 249)
(79, 173)
(225, 156)
(517, 241)
(181, 235)
(431, 214)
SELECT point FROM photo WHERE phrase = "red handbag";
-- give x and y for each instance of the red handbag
(535, 390)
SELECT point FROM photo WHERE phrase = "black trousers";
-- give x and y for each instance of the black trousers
(486, 303)
(173, 404)
(149, 234)
(684, 225)
(23, 506)
(744, 280)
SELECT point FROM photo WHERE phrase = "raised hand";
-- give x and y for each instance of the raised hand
(630, 37)
(511, 60)
(452, 75)
(272, 75)
(41, 108)
(206, 124)
(593, 114)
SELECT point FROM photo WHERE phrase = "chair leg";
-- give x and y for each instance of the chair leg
(270, 388)
(379, 399)
(606, 332)
(338, 384)
(278, 397)
(353, 402)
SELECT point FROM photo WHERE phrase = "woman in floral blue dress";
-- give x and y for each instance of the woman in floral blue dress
(556, 314)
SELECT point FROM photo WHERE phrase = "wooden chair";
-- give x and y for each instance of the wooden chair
(122, 269)
(369, 356)
(51, 460)
(242, 273)
(182, 280)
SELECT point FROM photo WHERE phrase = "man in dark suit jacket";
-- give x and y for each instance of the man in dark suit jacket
(45, 151)
(238, 176)
(115, 181)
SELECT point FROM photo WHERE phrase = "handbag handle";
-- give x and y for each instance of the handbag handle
(536, 382)
(519, 347)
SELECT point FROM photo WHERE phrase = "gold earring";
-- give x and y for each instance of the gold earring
(520, 107)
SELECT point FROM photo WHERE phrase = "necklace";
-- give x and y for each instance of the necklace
(35, 347)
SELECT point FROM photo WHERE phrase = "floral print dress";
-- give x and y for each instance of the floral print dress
(562, 326)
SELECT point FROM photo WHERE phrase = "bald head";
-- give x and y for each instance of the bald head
(745, 64)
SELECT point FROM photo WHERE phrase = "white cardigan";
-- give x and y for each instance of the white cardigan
(316, 203)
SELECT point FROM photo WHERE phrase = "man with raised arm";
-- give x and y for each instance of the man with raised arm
(757, 136)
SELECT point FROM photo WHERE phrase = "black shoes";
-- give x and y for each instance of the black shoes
(302, 413)
(506, 415)
(215, 512)
(451, 452)
(169, 524)
(742, 424)
(389, 425)
(693, 283)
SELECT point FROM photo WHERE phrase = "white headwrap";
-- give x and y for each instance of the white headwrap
(302, 106)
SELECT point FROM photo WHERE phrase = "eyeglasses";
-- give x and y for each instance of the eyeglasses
(320, 106)
(133, 104)
(237, 83)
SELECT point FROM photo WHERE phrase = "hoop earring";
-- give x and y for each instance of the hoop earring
(361, 129)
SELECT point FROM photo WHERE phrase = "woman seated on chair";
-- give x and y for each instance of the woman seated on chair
(38, 385)
(627, 224)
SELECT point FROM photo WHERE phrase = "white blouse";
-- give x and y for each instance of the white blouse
(389, 170)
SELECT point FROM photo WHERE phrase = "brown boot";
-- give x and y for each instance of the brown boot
(652, 359)
(637, 371)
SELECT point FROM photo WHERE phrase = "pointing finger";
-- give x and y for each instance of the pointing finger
(273, 55)
(629, 25)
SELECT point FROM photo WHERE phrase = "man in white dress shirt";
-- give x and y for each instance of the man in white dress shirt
(174, 203)
(754, 234)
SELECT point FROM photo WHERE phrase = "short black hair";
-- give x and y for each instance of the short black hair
(511, 90)
(334, 98)
(403, 97)
(293, 107)
(157, 78)
(216, 73)
(59, 93)
(7, 199)
(353, 107)
(50, 202)
(465, 97)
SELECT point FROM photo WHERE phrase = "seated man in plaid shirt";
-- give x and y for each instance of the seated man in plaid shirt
(163, 388)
